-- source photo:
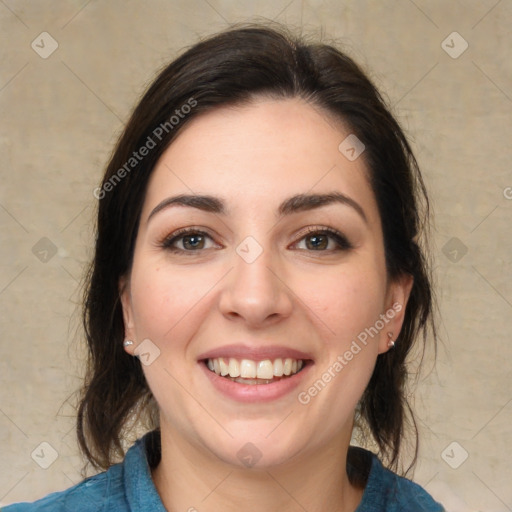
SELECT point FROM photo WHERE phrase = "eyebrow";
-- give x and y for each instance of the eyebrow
(294, 204)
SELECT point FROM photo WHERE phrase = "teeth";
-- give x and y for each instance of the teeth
(265, 370)
(253, 382)
(247, 369)
(278, 367)
(234, 367)
(224, 369)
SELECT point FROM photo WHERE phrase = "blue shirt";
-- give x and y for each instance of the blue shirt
(128, 487)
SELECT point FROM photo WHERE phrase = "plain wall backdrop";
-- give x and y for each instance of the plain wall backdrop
(71, 71)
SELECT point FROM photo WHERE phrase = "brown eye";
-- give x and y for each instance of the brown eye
(317, 242)
(191, 242)
(187, 240)
(324, 240)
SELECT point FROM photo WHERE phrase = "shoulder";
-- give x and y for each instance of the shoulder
(101, 492)
(409, 496)
(386, 491)
(123, 487)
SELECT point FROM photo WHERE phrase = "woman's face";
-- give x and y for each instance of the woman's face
(282, 270)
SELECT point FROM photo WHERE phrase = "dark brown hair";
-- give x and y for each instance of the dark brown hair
(232, 68)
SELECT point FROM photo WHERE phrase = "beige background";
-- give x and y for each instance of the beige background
(61, 116)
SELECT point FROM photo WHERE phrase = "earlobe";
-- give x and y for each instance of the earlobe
(398, 297)
(126, 304)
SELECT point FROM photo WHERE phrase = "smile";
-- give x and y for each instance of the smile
(251, 372)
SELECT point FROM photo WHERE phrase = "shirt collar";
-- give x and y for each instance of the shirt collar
(140, 490)
(142, 495)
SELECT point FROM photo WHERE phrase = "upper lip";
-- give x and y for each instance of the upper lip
(255, 353)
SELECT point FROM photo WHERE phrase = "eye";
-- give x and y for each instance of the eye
(318, 239)
(323, 240)
(188, 240)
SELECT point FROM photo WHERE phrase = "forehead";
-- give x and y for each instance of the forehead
(258, 154)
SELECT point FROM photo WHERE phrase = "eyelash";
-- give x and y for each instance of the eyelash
(340, 239)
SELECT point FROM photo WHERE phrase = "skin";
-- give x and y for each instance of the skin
(315, 300)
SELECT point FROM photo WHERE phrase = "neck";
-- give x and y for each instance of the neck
(315, 482)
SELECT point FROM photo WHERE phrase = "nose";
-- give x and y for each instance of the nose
(256, 291)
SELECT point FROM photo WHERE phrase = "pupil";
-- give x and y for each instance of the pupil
(318, 241)
(192, 241)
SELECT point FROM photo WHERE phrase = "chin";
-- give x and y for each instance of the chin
(257, 447)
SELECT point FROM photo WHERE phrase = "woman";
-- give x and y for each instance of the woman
(256, 288)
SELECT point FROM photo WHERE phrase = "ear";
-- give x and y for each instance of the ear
(128, 319)
(397, 297)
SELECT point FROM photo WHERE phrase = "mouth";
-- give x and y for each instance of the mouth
(255, 372)
(248, 373)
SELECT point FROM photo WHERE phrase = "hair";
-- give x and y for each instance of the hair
(233, 68)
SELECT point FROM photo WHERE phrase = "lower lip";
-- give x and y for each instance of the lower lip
(255, 392)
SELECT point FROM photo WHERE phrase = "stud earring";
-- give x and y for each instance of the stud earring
(391, 343)
(127, 343)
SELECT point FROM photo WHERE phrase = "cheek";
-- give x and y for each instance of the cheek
(346, 302)
(346, 305)
(163, 302)
(168, 309)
